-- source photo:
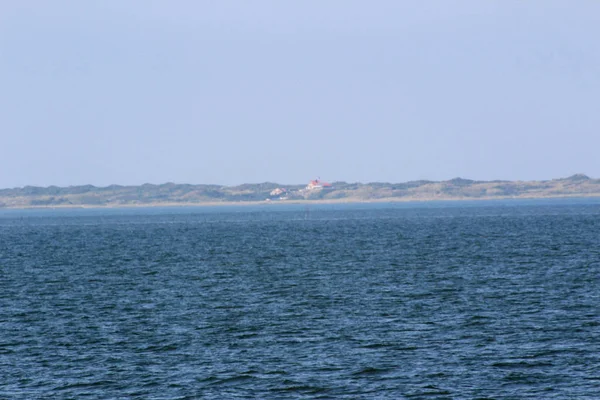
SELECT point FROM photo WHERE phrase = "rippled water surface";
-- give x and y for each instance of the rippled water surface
(442, 301)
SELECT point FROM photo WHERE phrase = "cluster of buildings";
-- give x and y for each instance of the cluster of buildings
(317, 184)
(284, 194)
(279, 193)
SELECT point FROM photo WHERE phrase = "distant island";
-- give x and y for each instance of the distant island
(171, 194)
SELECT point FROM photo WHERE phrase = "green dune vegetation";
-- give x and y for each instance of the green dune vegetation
(185, 194)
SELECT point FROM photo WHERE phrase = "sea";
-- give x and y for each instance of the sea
(436, 300)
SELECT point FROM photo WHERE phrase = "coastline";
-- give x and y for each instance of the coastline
(277, 203)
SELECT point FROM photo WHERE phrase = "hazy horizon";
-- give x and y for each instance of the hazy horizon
(233, 92)
(283, 183)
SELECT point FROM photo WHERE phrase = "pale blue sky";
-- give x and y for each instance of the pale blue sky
(229, 92)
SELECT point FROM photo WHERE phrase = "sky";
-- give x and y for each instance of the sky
(230, 92)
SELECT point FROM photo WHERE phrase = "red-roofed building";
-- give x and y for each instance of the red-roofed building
(318, 184)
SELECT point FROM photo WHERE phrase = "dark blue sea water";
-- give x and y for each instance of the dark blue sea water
(488, 300)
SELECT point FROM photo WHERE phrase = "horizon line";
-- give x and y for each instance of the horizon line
(577, 175)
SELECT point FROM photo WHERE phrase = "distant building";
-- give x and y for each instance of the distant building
(278, 191)
(318, 184)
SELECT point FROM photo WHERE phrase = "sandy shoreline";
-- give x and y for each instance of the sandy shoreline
(298, 202)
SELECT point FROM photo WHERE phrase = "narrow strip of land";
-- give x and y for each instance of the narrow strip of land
(171, 194)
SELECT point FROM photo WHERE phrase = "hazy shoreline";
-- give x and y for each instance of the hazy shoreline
(295, 202)
(270, 193)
